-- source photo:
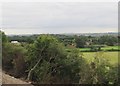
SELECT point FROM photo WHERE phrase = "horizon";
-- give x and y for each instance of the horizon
(64, 33)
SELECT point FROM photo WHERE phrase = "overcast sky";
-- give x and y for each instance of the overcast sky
(59, 17)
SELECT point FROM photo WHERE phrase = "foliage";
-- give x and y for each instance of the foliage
(22, 39)
(7, 57)
(100, 72)
(80, 41)
(108, 40)
(48, 50)
(13, 57)
(57, 66)
(4, 37)
(72, 67)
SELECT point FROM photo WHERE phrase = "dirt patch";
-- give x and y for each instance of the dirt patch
(7, 79)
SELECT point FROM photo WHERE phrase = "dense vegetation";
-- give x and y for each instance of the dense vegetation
(57, 59)
(94, 43)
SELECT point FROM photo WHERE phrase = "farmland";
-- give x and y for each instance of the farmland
(112, 57)
(106, 48)
(111, 53)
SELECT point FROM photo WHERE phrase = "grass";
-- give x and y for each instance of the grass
(107, 53)
(106, 48)
(112, 57)
(111, 48)
(84, 49)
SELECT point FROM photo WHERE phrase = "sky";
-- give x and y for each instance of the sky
(59, 17)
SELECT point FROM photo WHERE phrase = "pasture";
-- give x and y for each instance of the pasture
(106, 48)
(112, 57)
(110, 48)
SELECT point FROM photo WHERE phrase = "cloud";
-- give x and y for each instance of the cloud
(58, 17)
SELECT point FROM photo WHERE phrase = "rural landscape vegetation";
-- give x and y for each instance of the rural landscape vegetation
(62, 58)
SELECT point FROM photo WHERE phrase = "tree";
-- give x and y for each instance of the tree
(45, 49)
(5, 50)
(80, 41)
(72, 67)
(108, 40)
(4, 37)
(48, 62)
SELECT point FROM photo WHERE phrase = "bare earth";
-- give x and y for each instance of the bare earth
(6, 79)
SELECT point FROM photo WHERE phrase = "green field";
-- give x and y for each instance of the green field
(85, 49)
(106, 48)
(112, 57)
(110, 53)
(111, 47)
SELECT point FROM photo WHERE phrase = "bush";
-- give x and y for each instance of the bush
(13, 59)
(7, 57)
(72, 67)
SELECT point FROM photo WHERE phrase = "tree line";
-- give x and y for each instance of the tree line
(80, 41)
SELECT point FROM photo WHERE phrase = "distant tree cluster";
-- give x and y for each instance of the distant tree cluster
(75, 41)
(84, 41)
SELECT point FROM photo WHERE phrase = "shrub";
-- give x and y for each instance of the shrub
(13, 59)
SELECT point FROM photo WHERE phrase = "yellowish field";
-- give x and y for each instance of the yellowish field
(112, 57)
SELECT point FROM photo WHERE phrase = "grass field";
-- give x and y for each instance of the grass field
(111, 47)
(107, 48)
(107, 53)
(112, 57)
